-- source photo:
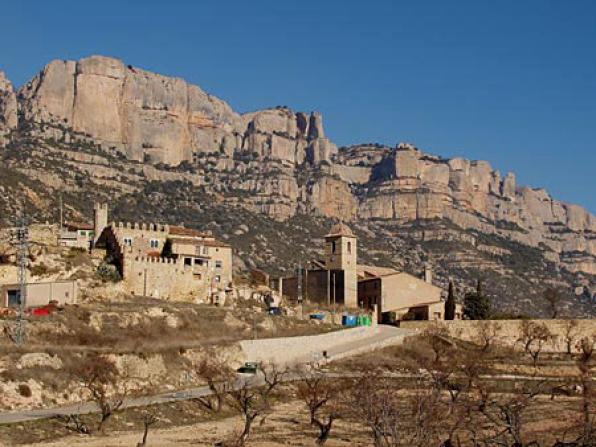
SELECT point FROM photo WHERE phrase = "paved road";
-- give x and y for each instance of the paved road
(383, 336)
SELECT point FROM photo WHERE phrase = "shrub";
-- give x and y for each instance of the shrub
(39, 270)
(108, 272)
(25, 390)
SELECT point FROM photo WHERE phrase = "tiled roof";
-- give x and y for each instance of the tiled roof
(340, 229)
(372, 271)
(78, 226)
(183, 231)
(198, 242)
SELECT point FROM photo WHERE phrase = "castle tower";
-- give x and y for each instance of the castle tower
(100, 219)
(341, 254)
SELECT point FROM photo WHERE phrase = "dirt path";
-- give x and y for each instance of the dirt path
(286, 427)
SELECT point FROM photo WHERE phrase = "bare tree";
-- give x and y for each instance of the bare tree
(101, 378)
(73, 422)
(376, 404)
(587, 347)
(570, 335)
(320, 394)
(253, 400)
(534, 337)
(148, 419)
(507, 415)
(218, 376)
(487, 335)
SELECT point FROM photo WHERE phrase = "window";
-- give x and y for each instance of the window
(218, 264)
(205, 250)
(154, 243)
(333, 247)
(128, 241)
(198, 262)
(349, 247)
(217, 278)
(82, 232)
(187, 261)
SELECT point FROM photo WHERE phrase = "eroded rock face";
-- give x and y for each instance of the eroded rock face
(8, 109)
(280, 162)
(159, 119)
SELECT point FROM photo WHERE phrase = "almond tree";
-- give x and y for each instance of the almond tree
(507, 415)
(587, 348)
(102, 380)
(321, 396)
(376, 404)
(253, 400)
(534, 337)
(148, 420)
(218, 376)
(570, 335)
(487, 335)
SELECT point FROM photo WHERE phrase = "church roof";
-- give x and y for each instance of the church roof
(340, 229)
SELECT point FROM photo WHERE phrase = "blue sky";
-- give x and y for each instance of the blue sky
(511, 82)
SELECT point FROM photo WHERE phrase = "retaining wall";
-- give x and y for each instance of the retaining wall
(509, 330)
(291, 349)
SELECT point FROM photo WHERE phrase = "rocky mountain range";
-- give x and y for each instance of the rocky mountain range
(99, 128)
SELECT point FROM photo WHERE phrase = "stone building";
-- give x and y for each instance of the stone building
(340, 280)
(166, 261)
(401, 294)
(76, 234)
(39, 294)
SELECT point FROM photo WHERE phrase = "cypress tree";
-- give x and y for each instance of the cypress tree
(450, 303)
(477, 305)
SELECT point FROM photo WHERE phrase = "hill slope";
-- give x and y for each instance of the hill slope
(270, 182)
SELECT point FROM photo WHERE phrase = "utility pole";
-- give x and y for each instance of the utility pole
(328, 287)
(299, 284)
(61, 214)
(21, 236)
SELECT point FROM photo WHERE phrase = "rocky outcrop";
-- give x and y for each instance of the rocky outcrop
(158, 119)
(8, 109)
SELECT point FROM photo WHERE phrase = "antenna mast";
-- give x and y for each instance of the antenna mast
(21, 239)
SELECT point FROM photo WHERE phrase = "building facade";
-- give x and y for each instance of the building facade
(164, 261)
(40, 294)
(340, 280)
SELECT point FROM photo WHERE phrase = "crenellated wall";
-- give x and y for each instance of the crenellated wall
(163, 278)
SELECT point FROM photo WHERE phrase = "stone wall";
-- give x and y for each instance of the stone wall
(161, 278)
(288, 350)
(509, 330)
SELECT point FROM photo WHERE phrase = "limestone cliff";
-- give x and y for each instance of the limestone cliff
(149, 117)
(280, 162)
(8, 108)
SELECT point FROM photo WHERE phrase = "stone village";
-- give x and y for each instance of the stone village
(173, 262)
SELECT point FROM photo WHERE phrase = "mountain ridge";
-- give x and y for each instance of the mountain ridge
(275, 162)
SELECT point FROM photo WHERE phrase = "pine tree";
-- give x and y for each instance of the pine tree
(450, 303)
(477, 305)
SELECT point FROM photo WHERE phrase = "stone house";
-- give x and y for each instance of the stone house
(402, 295)
(166, 261)
(340, 280)
(76, 234)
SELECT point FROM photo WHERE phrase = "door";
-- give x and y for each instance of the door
(14, 298)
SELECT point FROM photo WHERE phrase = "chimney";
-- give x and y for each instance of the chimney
(428, 273)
